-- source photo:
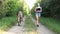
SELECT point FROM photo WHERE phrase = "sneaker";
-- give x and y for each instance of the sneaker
(37, 25)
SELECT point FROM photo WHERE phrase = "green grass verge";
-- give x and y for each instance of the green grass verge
(51, 24)
(7, 22)
(29, 24)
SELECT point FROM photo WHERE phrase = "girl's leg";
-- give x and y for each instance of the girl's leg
(36, 19)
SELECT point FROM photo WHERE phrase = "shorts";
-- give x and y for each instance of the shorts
(38, 14)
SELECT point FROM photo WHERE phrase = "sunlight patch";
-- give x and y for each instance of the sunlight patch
(30, 3)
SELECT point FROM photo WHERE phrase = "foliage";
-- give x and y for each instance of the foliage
(51, 11)
(10, 7)
(7, 22)
(51, 23)
(50, 8)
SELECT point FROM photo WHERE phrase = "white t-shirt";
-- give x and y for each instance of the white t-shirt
(37, 8)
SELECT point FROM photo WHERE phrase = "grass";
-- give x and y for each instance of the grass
(7, 22)
(51, 24)
(29, 24)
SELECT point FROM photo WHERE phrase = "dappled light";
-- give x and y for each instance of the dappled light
(25, 8)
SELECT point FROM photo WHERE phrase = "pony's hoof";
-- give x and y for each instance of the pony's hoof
(18, 25)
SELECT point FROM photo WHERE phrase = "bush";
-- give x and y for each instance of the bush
(10, 7)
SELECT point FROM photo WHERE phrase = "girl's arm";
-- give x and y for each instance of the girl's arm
(41, 10)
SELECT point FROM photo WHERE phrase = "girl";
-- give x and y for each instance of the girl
(38, 11)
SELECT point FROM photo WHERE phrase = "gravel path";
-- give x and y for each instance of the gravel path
(16, 29)
(42, 29)
(21, 30)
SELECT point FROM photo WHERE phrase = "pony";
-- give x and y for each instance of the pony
(20, 17)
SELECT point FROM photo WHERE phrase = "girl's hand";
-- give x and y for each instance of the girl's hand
(40, 11)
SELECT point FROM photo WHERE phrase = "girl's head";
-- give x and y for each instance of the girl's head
(38, 4)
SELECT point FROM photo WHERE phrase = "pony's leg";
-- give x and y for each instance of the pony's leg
(18, 21)
(22, 18)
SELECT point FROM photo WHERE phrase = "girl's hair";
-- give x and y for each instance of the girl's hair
(38, 4)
